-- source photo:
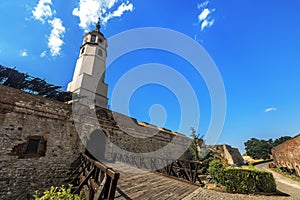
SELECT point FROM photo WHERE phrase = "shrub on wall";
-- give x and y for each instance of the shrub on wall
(248, 181)
(57, 193)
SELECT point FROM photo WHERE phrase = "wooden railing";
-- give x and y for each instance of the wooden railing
(184, 169)
(96, 180)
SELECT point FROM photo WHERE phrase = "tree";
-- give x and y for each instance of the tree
(196, 144)
(281, 140)
(261, 149)
(258, 149)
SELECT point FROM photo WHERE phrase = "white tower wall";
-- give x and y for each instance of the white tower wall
(88, 79)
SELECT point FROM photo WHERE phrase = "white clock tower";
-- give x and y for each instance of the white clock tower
(88, 79)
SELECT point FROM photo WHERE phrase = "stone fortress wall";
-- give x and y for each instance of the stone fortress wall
(287, 154)
(39, 140)
(230, 154)
(38, 143)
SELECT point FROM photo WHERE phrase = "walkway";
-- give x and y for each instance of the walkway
(139, 184)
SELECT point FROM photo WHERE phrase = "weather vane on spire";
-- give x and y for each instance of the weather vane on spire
(98, 25)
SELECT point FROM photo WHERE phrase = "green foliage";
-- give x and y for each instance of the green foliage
(258, 149)
(57, 193)
(196, 144)
(245, 181)
(281, 140)
(261, 149)
(216, 170)
(251, 167)
(205, 162)
(248, 181)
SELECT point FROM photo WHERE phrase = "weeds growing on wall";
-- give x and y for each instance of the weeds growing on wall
(57, 193)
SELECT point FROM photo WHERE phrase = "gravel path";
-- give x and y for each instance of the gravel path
(284, 185)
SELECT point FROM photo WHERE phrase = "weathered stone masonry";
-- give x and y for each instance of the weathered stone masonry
(39, 140)
(287, 154)
(25, 119)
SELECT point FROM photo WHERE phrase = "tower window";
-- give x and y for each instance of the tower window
(93, 38)
(100, 53)
(100, 41)
(82, 51)
(33, 146)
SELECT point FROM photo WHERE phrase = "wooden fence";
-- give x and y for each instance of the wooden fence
(184, 169)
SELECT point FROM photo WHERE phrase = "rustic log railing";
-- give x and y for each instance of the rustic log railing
(96, 180)
(184, 169)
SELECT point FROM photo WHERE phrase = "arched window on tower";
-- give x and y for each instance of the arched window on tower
(93, 38)
(100, 41)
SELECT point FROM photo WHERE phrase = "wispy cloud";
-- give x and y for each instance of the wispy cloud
(43, 54)
(43, 11)
(55, 40)
(202, 5)
(23, 53)
(205, 17)
(89, 11)
(270, 109)
(125, 6)
(207, 24)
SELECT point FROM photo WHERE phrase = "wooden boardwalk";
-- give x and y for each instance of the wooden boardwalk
(138, 184)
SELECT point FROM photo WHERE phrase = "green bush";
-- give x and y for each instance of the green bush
(216, 170)
(248, 181)
(57, 193)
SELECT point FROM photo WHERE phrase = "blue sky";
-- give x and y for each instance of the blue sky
(255, 45)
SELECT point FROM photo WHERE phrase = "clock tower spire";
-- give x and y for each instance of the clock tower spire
(89, 74)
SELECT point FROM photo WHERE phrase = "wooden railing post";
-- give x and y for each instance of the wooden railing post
(101, 181)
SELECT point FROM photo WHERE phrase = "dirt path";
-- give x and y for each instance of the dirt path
(284, 184)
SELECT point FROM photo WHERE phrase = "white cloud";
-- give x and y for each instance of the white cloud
(89, 11)
(125, 6)
(270, 109)
(23, 53)
(43, 10)
(207, 24)
(43, 54)
(202, 5)
(205, 17)
(55, 39)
